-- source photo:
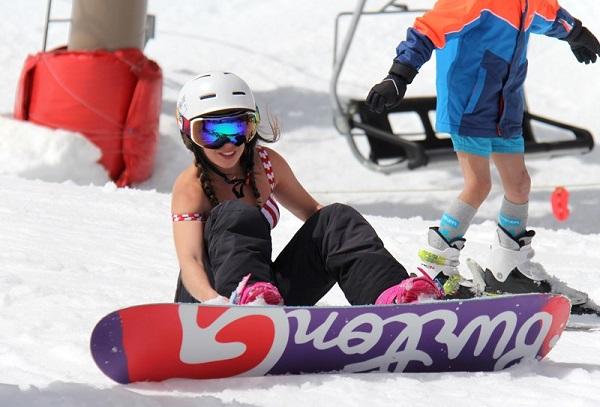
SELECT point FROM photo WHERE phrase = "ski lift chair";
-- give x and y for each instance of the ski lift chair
(390, 151)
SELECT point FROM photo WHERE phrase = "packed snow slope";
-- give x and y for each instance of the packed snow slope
(74, 247)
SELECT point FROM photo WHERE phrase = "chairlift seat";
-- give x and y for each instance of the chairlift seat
(432, 147)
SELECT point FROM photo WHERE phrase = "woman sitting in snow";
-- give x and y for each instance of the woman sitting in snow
(225, 205)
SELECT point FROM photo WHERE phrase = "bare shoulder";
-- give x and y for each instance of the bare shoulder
(187, 195)
(288, 190)
(277, 161)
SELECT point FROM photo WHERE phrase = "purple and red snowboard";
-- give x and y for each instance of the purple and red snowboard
(163, 341)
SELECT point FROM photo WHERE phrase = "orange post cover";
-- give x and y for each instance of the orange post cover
(112, 98)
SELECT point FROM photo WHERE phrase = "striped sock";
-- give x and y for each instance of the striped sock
(456, 220)
(513, 217)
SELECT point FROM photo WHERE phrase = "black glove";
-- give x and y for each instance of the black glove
(389, 92)
(583, 43)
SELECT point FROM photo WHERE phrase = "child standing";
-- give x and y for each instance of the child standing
(481, 67)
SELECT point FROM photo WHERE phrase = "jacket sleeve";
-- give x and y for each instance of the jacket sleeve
(415, 50)
(552, 20)
(430, 31)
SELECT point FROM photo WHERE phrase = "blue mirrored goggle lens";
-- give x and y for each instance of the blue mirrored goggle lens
(216, 132)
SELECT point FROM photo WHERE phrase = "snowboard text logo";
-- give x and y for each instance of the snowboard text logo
(364, 342)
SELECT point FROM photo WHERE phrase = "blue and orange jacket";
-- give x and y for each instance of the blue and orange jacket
(481, 51)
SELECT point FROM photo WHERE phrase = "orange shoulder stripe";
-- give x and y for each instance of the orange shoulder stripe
(547, 9)
(451, 16)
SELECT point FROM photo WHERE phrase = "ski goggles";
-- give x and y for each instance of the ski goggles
(215, 132)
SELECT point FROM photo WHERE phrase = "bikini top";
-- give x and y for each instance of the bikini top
(269, 209)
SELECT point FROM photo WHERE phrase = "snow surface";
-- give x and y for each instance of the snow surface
(74, 247)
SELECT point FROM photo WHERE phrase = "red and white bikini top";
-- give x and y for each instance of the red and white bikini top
(270, 210)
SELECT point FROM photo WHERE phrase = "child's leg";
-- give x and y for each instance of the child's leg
(477, 184)
(476, 174)
(517, 186)
(440, 257)
(445, 242)
(509, 267)
(336, 244)
(473, 157)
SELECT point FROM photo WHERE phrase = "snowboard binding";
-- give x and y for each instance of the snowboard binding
(518, 283)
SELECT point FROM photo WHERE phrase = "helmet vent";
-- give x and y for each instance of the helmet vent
(238, 93)
(209, 96)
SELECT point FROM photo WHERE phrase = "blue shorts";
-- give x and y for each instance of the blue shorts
(484, 146)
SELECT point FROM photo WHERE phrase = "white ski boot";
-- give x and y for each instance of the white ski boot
(510, 269)
(440, 261)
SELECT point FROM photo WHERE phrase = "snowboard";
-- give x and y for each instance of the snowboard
(156, 342)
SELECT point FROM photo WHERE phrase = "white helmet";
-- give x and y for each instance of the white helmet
(211, 92)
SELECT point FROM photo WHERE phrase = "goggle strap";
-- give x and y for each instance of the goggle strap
(185, 126)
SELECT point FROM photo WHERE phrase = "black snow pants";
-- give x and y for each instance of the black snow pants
(335, 245)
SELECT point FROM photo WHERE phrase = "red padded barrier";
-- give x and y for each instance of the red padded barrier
(113, 98)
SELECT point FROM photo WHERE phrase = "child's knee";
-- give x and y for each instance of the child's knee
(525, 183)
(520, 186)
(479, 188)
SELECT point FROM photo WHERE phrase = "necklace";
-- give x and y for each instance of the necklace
(237, 185)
